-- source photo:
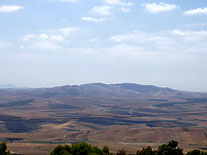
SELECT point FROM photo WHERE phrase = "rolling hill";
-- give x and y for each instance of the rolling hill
(123, 115)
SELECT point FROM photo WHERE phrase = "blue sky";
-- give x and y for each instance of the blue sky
(45, 43)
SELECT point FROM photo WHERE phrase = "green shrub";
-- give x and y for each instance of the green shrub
(146, 151)
(170, 149)
(106, 150)
(3, 149)
(196, 152)
(77, 149)
(121, 152)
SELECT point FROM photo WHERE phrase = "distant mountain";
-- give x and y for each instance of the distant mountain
(124, 90)
(101, 90)
(142, 88)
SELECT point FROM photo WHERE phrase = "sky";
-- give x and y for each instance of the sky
(46, 43)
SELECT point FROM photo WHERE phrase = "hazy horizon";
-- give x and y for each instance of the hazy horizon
(47, 43)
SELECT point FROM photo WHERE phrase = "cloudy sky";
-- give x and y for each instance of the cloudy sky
(45, 43)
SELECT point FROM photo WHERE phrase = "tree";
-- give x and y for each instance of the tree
(146, 151)
(61, 150)
(97, 151)
(196, 152)
(121, 152)
(3, 149)
(77, 149)
(106, 150)
(170, 149)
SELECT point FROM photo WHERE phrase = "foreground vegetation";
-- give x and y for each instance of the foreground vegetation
(3, 149)
(171, 148)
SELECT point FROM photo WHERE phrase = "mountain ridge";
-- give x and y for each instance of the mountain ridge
(101, 90)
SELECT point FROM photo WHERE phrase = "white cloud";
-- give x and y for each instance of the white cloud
(57, 38)
(4, 44)
(159, 7)
(109, 6)
(93, 40)
(10, 8)
(122, 6)
(92, 19)
(47, 45)
(68, 30)
(138, 37)
(191, 36)
(102, 10)
(178, 32)
(51, 43)
(195, 25)
(118, 2)
(124, 9)
(43, 36)
(29, 37)
(189, 33)
(50, 39)
(168, 41)
(55, 34)
(196, 11)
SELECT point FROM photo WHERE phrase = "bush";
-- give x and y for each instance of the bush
(196, 152)
(146, 151)
(166, 149)
(170, 149)
(121, 152)
(106, 150)
(3, 149)
(77, 149)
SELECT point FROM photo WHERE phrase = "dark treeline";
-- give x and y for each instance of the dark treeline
(171, 148)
